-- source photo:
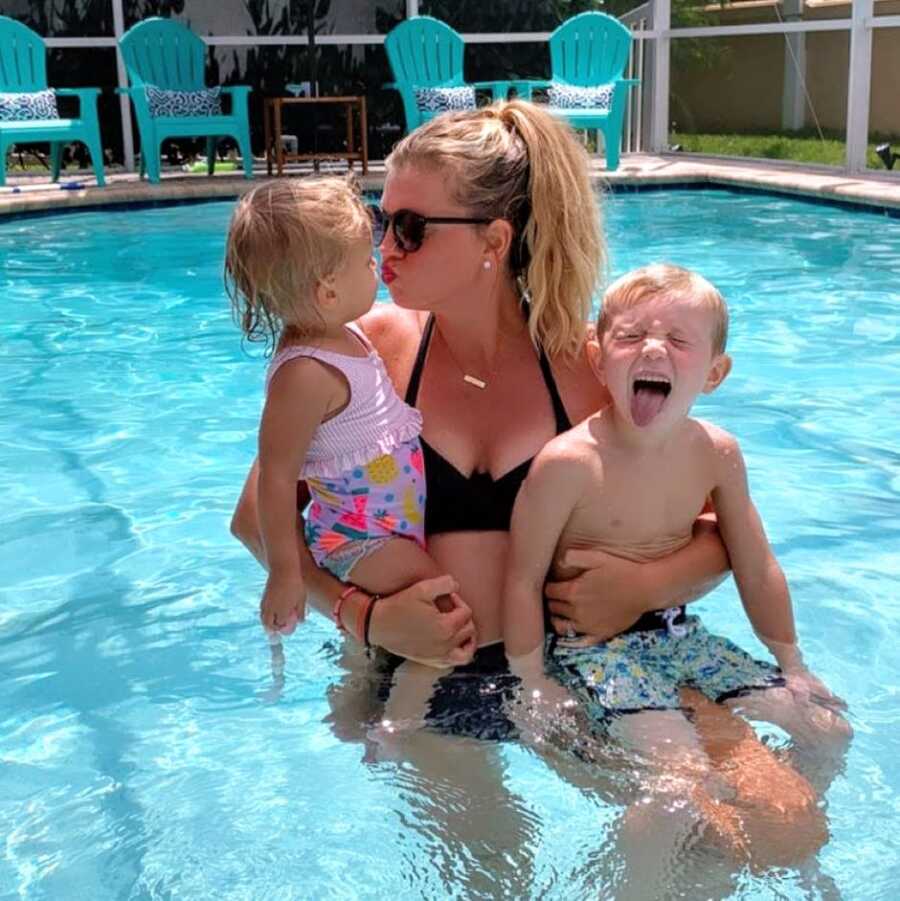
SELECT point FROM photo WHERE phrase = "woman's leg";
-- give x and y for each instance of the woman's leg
(450, 793)
(682, 798)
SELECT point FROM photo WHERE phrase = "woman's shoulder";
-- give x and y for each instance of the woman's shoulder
(581, 391)
(395, 333)
(387, 325)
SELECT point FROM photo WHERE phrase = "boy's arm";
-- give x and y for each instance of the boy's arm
(300, 395)
(760, 579)
(543, 506)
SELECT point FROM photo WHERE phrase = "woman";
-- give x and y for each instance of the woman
(464, 280)
(486, 209)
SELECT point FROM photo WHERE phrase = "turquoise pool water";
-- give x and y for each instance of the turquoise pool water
(142, 753)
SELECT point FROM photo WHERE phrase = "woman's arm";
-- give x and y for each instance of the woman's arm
(614, 593)
(406, 623)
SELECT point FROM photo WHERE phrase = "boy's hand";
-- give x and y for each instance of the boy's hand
(802, 684)
(283, 603)
(805, 685)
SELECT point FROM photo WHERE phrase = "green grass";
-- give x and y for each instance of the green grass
(802, 147)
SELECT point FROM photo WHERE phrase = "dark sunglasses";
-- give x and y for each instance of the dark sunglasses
(408, 228)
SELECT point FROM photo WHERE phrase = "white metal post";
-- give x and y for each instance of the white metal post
(412, 8)
(659, 123)
(859, 86)
(793, 98)
(124, 100)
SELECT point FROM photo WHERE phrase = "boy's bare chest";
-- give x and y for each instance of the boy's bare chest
(642, 508)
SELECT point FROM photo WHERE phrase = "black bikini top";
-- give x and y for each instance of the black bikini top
(478, 503)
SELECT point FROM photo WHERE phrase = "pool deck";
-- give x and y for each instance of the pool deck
(35, 193)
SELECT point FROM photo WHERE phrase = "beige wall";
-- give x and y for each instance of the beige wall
(743, 91)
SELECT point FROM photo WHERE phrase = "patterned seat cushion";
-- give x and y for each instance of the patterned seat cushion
(205, 102)
(31, 105)
(440, 100)
(567, 96)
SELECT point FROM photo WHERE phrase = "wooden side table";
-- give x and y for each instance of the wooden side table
(272, 121)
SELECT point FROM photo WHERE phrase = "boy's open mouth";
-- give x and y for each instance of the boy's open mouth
(648, 394)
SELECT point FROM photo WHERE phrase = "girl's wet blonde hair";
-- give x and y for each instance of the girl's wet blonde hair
(665, 280)
(514, 161)
(286, 236)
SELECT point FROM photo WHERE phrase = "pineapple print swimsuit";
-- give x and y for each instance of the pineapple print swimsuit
(364, 466)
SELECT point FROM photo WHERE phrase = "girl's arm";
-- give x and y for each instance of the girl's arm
(613, 593)
(301, 394)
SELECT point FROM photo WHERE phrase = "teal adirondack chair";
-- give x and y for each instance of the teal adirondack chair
(591, 50)
(23, 70)
(423, 53)
(164, 54)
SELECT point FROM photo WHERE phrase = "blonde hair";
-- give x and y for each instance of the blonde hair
(514, 161)
(659, 279)
(285, 236)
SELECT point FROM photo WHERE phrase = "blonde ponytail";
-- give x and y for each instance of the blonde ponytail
(515, 161)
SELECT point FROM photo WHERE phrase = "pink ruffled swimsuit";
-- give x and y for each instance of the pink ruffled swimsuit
(364, 466)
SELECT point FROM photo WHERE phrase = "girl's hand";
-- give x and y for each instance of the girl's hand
(283, 603)
(602, 602)
(427, 622)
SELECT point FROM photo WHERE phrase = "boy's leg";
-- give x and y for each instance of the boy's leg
(820, 735)
(623, 679)
(756, 690)
(680, 804)
(780, 819)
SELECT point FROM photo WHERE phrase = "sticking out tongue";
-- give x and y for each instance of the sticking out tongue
(647, 401)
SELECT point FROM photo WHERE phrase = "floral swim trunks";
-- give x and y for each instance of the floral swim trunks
(643, 670)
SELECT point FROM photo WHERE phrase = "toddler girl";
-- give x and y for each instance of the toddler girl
(299, 270)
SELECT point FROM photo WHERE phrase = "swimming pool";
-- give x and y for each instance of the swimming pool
(143, 756)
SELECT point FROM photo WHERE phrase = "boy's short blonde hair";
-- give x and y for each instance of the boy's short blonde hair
(286, 236)
(665, 279)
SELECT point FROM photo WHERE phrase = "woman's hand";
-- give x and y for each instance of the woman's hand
(427, 622)
(607, 598)
(613, 593)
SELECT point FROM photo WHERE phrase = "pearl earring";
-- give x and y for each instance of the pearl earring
(487, 264)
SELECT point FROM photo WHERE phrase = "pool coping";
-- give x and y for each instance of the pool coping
(28, 195)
